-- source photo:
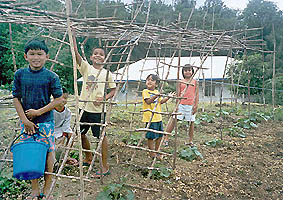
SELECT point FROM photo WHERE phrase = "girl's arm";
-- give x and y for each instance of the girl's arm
(151, 99)
(164, 100)
(28, 125)
(195, 107)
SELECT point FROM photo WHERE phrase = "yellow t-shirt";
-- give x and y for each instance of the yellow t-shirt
(89, 91)
(147, 115)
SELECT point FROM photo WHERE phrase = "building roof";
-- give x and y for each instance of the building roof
(142, 68)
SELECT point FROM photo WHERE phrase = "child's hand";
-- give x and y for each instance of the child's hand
(194, 110)
(172, 94)
(97, 101)
(29, 127)
(32, 113)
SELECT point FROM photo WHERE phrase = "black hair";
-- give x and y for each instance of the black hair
(36, 44)
(154, 77)
(186, 67)
(98, 48)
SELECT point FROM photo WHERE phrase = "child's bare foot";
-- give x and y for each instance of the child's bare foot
(159, 156)
(72, 161)
(152, 155)
(32, 197)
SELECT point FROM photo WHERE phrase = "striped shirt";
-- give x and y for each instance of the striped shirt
(34, 89)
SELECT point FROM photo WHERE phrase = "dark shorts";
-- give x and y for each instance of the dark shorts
(158, 126)
(91, 118)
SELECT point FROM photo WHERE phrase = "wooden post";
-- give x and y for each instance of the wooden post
(68, 11)
(273, 73)
(12, 49)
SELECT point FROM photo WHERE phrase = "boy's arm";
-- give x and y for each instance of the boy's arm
(108, 96)
(78, 56)
(28, 125)
(32, 113)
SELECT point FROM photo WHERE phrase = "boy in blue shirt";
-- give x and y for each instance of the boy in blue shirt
(32, 89)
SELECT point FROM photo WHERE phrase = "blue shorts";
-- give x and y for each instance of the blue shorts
(46, 130)
(158, 126)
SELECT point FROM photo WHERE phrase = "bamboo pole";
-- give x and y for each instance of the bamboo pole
(68, 12)
(273, 71)
(12, 48)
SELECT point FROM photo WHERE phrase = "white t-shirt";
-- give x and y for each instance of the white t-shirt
(90, 89)
(62, 122)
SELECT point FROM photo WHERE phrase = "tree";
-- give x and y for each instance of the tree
(249, 67)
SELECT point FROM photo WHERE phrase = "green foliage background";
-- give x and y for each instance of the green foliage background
(213, 15)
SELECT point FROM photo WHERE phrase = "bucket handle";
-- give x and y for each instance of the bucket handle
(37, 132)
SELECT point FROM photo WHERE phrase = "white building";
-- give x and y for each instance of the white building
(137, 72)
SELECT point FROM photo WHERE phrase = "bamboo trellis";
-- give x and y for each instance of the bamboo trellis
(187, 39)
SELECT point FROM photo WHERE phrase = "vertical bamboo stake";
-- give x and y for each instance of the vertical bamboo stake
(263, 71)
(221, 94)
(12, 48)
(177, 89)
(68, 10)
(211, 83)
(58, 51)
(273, 73)
(249, 82)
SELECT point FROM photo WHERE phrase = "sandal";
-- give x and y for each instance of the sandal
(86, 164)
(98, 174)
(191, 144)
(32, 197)
(41, 196)
(166, 143)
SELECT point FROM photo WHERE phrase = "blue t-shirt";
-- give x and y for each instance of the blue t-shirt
(34, 89)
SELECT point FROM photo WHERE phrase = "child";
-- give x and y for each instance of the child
(62, 119)
(149, 99)
(188, 106)
(32, 89)
(94, 111)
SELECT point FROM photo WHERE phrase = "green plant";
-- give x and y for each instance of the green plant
(190, 154)
(245, 123)
(222, 113)
(235, 132)
(115, 191)
(11, 188)
(213, 143)
(207, 117)
(278, 114)
(74, 154)
(259, 116)
(133, 140)
(161, 172)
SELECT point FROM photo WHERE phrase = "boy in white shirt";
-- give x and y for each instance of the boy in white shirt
(62, 130)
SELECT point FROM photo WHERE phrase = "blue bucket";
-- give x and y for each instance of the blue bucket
(29, 158)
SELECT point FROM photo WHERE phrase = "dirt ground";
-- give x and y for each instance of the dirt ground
(239, 168)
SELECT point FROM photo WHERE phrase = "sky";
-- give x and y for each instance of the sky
(241, 4)
(235, 4)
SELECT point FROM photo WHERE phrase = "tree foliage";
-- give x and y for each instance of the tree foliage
(214, 14)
